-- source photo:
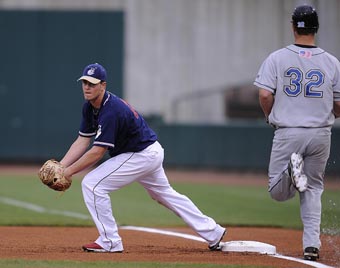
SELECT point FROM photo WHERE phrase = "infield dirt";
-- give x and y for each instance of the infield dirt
(64, 243)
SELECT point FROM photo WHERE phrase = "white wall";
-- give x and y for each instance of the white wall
(181, 54)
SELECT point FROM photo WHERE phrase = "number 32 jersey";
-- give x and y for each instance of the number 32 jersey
(305, 82)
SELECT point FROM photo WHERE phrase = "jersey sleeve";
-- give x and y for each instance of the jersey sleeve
(266, 77)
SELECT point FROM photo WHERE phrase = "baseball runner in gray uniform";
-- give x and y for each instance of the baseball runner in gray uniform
(299, 92)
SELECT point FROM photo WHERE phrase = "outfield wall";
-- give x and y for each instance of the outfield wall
(238, 146)
(241, 146)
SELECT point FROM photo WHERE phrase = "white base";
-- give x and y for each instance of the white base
(248, 246)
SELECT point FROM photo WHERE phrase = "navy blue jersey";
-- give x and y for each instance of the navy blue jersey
(116, 125)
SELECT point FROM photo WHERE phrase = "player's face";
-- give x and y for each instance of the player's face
(93, 92)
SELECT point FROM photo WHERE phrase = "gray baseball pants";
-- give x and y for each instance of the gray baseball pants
(314, 146)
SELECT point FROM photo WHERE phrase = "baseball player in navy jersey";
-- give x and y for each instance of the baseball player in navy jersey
(135, 155)
(299, 92)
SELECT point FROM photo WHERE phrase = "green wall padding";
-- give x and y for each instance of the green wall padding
(42, 55)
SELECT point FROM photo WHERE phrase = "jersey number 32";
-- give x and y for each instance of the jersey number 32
(314, 78)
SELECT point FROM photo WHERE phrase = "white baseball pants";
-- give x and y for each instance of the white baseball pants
(145, 167)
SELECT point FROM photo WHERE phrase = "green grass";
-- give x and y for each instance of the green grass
(228, 205)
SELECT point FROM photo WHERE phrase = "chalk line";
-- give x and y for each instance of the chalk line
(40, 209)
(158, 231)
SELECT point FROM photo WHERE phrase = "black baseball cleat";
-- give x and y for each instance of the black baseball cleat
(311, 254)
(217, 246)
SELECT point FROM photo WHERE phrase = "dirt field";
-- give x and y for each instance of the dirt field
(60, 243)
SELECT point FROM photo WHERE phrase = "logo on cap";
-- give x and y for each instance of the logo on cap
(301, 24)
(91, 71)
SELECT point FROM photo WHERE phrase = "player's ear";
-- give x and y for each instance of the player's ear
(293, 28)
(294, 31)
(103, 84)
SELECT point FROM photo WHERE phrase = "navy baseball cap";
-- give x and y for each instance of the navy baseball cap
(94, 73)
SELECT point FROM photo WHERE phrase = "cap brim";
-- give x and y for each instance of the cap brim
(90, 79)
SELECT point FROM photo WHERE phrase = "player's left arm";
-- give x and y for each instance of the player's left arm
(76, 150)
(90, 158)
(266, 99)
